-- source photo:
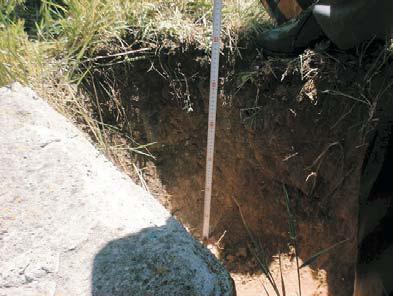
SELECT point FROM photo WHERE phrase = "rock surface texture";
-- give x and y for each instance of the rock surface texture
(72, 224)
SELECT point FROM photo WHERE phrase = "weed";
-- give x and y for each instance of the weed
(260, 256)
(258, 252)
(314, 257)
(54, 45)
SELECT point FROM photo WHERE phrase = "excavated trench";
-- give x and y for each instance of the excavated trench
(298, 125)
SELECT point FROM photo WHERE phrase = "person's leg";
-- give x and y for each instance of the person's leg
(284, 10)
(374, 270)
(347, 23)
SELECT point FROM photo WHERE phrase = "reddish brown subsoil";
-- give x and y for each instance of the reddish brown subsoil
(296, 123)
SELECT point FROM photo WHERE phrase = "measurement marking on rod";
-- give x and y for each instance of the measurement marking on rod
(215, 61)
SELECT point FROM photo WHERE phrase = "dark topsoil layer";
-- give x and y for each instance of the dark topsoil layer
(300, 123)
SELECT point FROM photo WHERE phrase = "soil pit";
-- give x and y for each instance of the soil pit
(298, 125)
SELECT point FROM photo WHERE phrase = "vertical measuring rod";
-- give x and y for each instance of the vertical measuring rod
(215, 62)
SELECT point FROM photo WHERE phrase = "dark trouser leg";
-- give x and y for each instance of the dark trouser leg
(347, 23)
(374, 271)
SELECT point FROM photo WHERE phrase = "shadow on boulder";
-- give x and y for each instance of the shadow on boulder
(162, 260)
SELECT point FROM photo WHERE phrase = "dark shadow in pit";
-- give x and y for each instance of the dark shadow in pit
(375, 258)
(162, 260)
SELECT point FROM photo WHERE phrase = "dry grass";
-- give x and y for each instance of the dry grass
(48, 45)
(77, 29)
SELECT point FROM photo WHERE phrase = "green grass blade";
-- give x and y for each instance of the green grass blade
(313, 258)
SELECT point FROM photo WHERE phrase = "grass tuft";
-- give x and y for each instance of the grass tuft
(69, 32)
(20, 59)
(53, 46)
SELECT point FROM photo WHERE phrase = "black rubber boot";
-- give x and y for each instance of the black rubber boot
(292, 37)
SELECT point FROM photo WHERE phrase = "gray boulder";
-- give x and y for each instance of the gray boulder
(72, 224)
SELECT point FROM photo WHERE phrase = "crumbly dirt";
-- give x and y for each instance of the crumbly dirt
(301, 124)
(313, 282)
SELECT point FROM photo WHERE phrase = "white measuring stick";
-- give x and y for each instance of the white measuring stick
(215, 62)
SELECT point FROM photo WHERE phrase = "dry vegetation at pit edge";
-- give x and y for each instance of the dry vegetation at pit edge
(53, 46)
